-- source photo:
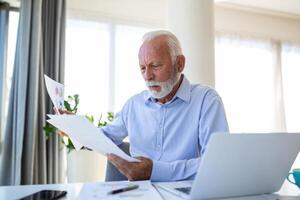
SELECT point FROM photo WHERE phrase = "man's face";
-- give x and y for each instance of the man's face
(157, 68)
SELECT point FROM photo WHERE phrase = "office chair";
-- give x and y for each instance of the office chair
(112, 173)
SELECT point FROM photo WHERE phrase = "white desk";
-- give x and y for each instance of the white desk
(15, 192)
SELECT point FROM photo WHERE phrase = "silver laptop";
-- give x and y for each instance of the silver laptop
(235, 165)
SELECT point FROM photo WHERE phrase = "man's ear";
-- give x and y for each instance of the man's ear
(180, 63)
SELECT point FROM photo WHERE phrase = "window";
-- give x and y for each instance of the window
(102, 64)
(87, 64)
(128, 80)
(291, 85)
(258, 82)
(244, 81)
(11, 47)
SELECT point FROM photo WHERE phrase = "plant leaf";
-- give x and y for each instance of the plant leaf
(67, 106)
(49, 129)
(90, 118)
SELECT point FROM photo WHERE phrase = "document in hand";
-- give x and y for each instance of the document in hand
(56, 92)
(82, 130)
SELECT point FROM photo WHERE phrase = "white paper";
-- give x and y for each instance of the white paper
(76, 144)
(56, 93)
(82, 130)
(95, 191)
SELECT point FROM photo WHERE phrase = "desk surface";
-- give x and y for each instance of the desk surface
(16, 192)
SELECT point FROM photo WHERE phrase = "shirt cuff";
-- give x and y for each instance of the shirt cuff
(161, 171)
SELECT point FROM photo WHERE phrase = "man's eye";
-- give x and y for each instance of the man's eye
(156, 66)
(142, 68)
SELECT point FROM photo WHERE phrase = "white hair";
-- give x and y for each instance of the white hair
(172, 42)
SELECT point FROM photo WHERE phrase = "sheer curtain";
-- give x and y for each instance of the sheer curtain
(87, 64)
(258, 80)
(102, 67)
(244, 80)
(108, 65)
(291, 87)
(128, 79)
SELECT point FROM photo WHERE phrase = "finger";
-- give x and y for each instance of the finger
(62, 111)
(56, 110)
(62, 134)
(142, 159)
(116, 159)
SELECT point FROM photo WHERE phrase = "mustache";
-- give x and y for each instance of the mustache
(153, 83)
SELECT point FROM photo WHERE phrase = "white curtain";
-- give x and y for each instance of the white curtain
(291, 86)
(244, 78)
(258, 80)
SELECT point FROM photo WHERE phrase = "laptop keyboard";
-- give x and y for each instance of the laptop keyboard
(186, 190)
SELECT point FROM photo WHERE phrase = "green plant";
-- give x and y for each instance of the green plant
(71, 105)
(100, 121)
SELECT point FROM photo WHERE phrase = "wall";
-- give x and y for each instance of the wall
(257, 24)
(143, 12)
(154, 13)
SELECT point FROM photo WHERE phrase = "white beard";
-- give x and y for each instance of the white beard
(165, 87)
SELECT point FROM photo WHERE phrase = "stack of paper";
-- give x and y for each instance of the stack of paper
(79, 129)
(56, 92)
(97, 191)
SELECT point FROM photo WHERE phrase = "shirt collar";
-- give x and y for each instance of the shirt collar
(183, 92)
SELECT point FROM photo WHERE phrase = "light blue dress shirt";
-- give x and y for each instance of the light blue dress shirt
(175, 134)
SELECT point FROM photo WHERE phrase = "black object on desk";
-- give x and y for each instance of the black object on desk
(125, 189)
(45, 195)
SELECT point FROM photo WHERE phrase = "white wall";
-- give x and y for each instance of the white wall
(154, 13)
(144, 12)
(192, 21)
(257, 24)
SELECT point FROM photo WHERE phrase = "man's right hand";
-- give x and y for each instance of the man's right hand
(62, 111)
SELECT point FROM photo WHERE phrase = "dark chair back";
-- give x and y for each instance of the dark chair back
(112, 173)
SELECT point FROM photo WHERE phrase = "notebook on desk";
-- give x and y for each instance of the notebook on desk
(240, 165)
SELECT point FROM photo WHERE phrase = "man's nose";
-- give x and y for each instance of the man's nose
(148, 75)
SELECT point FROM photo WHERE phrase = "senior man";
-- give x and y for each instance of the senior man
(170, 124)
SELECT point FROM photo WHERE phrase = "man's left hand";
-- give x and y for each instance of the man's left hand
(134, 171)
